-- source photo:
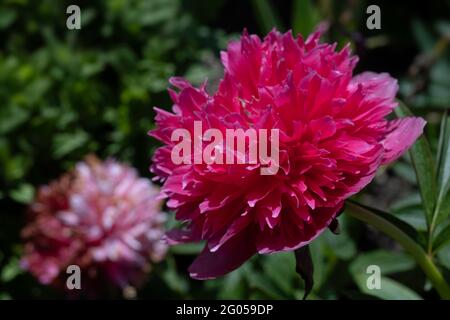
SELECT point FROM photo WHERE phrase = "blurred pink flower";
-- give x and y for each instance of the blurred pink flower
(333, 137)
(101, 217)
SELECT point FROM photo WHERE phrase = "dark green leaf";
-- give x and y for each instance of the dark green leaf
(266, 15)
(443, 170)
(7, 17)
(424, 166)
(442, 238)
(402, 225)
(65, 143)
(305, 17)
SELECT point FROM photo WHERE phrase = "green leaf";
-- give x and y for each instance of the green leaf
(388, 261)
(410, 210)
(187, 248)
(257, 281)
(423, 36)
(443, 256)
(11, 117)
(444, 28)
(23, 194)
(405, 171)
(7, 17)
(173, 280)
(4, 296)
(424, 167)
(409, 244)
(10, 270)
(400, 224)
(389, 289)
(280, 268)
(266, 15)
(443, 170)
(442, 238)
(233, 285)
(305, 17)
(406, 203)
(65, 143)
(342, 245)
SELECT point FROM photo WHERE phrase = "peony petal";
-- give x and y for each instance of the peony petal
(402, 133)
(230, 256)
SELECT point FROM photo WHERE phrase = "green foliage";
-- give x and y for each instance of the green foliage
(65, 94)
(424, 167)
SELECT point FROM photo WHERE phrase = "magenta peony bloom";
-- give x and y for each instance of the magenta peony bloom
(101, 217)
(333, 136)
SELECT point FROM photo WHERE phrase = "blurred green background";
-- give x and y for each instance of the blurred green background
(64, 94)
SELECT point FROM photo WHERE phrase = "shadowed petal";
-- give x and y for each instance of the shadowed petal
(230, 256)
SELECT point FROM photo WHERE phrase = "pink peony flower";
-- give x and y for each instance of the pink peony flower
(101, 217)
(333, 137)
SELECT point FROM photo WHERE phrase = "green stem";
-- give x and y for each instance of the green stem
(416, 251)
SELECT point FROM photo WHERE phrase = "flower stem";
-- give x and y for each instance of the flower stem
(416, 251)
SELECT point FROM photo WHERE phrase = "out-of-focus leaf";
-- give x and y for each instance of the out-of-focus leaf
(173, 279)
(23, 194)
(342, 245)
(410, 201)
(10, 270)
(444, 28)
(414, 217)
(64, 143)
(4, 296)
(258, 282)
(187, 248)
(389, 290)
(320, 262)
(305, 17)
(422, 35)
(405, 171)
(388, 261)
(266, 15)
(233, 285)
(280, 268)
(7, 17)
(11, 117)
(443, 256)
(410, 210)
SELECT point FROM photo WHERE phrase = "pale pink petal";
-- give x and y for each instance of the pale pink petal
(402, 133)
